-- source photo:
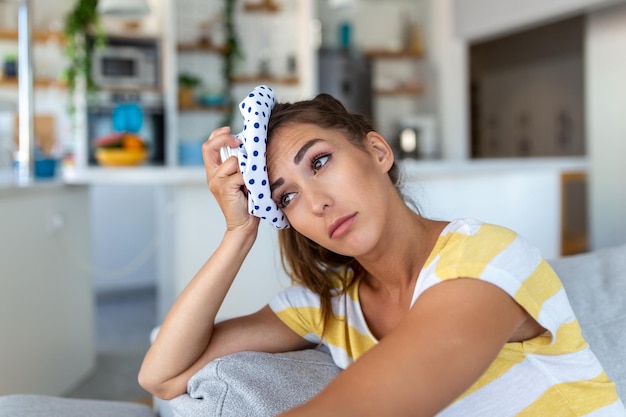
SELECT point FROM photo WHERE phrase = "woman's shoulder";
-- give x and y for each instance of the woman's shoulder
(467, 233)
(470, 246)
(475, 228)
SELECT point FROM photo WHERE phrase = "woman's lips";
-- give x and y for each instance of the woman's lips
(341, 226)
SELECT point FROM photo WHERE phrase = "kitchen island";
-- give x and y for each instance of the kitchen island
(46, 298)
(522, 194)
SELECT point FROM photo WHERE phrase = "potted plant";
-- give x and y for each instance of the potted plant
(81, 22)
(9, 65)
(232, 53)
(186, 90)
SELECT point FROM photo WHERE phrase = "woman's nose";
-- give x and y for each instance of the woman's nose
(318, 198)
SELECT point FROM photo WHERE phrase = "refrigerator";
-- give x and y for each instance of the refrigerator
(347, 75)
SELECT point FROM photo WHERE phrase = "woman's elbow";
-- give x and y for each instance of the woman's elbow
(165, 390)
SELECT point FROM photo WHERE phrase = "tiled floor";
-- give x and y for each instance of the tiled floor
(123, 324)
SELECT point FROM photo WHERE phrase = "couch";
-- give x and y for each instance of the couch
(261, 384)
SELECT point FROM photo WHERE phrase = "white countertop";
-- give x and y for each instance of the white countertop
(8, 183)
(416, 169)
(413, 170)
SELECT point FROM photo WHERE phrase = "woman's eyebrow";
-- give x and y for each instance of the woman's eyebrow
(300, 154)
(296, 159)
(276, 184)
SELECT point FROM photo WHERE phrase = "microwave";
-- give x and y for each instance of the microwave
(126, 64)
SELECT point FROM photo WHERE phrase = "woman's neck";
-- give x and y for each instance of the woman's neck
(393, 268)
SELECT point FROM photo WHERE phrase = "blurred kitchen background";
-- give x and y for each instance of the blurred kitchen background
(508, 111)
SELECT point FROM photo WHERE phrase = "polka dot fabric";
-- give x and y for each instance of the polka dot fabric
(256, 109)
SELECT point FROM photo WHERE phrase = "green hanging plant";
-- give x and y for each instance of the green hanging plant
(232, 53)
(81, 22)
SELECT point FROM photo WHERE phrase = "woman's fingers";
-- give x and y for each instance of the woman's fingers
(224, 177)
(218, 139)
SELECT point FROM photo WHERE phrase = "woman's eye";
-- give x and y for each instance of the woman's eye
(285, 199)
(319, 162)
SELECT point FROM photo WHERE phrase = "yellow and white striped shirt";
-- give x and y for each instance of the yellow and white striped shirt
(555, 374)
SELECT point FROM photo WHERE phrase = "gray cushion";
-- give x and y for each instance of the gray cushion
(596, 286)
(255, 384)
(46, 406)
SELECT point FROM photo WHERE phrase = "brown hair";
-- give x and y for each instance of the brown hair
(306, 262)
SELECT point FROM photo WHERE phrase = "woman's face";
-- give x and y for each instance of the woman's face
(331, 191)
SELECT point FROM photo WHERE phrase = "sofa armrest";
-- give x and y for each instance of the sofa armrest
(255, 384)
(595, 284)
(47, 406)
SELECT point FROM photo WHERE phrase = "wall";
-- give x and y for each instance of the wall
(606, 101)
(450, 65)
(46, 302)
(477, 19)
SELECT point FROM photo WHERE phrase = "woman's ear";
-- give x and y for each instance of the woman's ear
(381, 150)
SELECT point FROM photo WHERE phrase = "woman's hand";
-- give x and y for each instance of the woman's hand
(226, 182)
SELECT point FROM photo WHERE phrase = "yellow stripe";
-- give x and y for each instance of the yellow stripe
(510, 355)
(568, 339)
(353, 292)
(544, 283)
(338, 333)
(487, 243)
(573, 398)
(297, 319)
(348, 338)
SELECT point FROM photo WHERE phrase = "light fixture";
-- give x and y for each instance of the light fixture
(123, 8)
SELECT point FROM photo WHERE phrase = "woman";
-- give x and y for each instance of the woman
(459, 318)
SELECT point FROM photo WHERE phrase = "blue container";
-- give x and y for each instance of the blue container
(345, 35)
(190, 153)
(45, 168)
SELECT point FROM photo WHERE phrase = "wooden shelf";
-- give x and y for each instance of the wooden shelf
(262, 6)
(269, 79)
(401, 90)
(392, 54)
(37, 82)
(38, 35)
(201, 47)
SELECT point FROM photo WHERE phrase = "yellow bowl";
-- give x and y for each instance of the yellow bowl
(120, 157)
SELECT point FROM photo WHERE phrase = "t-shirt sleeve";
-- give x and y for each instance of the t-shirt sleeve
(497, 255)
(299, 308)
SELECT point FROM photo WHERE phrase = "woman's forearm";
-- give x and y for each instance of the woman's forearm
(187, 329)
